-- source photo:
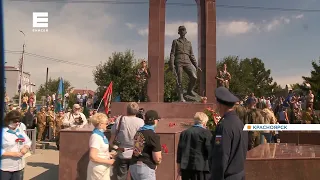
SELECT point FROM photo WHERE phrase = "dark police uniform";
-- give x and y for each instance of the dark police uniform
(230, 144)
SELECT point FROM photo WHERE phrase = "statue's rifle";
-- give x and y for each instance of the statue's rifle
(176, 77)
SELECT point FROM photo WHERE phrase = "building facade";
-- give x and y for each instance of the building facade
(12, 81)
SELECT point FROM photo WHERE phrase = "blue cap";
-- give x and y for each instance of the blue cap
(224, 96)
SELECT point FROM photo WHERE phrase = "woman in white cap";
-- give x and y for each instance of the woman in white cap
(75, 118)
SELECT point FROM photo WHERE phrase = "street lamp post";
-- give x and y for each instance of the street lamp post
(21, 68)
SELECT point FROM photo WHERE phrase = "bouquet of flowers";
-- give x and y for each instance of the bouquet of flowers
(204, 100)
(20, 142)
(214, 118)
(112, 120)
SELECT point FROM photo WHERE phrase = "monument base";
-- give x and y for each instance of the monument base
(165, 110)
(190, 98)
(300, 137)
(74, 149)
(283, 162)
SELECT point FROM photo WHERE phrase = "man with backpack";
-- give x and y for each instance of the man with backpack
(28, 119)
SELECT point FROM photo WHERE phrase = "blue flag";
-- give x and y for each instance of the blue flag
(60, 95)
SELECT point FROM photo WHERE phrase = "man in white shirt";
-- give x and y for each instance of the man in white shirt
(54, 97)
(123, 131)
(84, 99)
(75, 118)
(78, 98)
(310, 99)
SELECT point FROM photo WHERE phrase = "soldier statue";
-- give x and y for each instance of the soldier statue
(224, 77)
(182, 59)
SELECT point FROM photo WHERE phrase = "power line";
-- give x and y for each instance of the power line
(170, 4)
(50, 59)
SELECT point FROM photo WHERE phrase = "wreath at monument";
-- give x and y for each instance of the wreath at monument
(214, 118)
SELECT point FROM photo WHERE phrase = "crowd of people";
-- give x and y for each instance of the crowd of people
(293, 109)
(134, 149)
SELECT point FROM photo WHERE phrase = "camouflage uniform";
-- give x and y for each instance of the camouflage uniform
(241, 112)
(58, 124)
(41, 124)
(223, 79)
(307, 117)
(142, 82)
(254, 117)
(50, 118)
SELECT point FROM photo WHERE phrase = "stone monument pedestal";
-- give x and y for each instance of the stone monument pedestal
(300, 137)
(283, 162)
(165, 110)
(74, 149)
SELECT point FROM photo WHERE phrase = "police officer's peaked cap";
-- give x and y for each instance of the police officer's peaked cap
(224, 96)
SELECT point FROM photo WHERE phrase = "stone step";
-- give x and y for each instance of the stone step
(42, 145)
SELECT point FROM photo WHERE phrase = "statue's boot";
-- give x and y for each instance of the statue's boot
(192, 93)
(181, 98)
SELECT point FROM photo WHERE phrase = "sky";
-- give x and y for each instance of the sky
(88, 33)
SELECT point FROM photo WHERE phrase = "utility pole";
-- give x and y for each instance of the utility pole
(21, 69)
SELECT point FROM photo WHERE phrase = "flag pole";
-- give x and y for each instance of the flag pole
(99, 104)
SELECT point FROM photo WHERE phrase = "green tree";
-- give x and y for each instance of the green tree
(121, 69)
(295, 86)
(170, 83)
(72, 100)
(170, 87)
(314, 81)
(52, 87)
(248, 75)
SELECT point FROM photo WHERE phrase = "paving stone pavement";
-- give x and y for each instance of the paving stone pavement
(43, 165)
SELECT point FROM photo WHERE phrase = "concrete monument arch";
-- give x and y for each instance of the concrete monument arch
(206, 48)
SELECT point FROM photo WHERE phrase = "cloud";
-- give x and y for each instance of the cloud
(130, 25)
(76, 33)
(143, 32)
(290, 79)
(300, 16)
(171, 29)
(236, 27)
(227, 28)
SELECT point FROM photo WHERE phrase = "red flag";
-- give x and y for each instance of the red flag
(107, 98)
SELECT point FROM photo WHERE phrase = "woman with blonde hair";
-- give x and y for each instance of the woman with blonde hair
(100, 159)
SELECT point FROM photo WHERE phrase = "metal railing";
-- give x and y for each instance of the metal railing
(32, 134)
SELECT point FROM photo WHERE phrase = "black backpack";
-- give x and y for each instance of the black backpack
(28, 120)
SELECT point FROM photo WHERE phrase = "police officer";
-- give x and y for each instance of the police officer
(231, 142)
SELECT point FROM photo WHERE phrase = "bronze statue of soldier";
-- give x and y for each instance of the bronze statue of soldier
(182, 59)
